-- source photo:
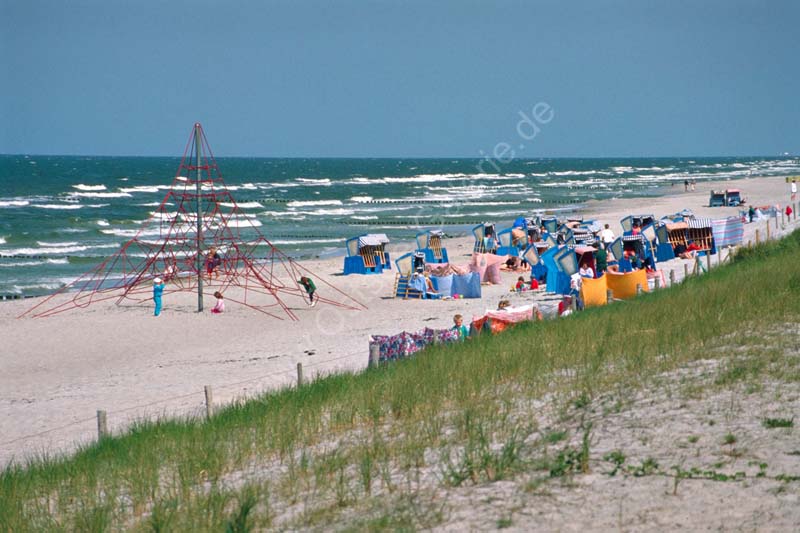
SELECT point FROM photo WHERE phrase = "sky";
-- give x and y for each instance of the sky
(364, 78)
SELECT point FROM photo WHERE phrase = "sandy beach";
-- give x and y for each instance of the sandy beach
(58, 371)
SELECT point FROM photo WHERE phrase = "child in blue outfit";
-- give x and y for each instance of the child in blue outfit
(158, 290)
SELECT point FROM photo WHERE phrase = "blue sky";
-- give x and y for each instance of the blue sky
(399, 79)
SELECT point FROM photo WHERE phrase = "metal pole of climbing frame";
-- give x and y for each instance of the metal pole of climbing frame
(198, 204)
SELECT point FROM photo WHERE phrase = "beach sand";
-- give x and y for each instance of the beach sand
(58, 371)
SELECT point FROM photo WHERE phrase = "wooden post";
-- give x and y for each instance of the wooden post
(708, 260)
(657, 283)
(794, 211)
(758, 239)
(672, 277)
(768, 229)
(609, 296)
(374, 355)
(638, 289)
(685, 270)
(573, 304)
(299, 374)
(102, 425)
(209, 402)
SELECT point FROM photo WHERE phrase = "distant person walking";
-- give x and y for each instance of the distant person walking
(694, 182)
(794, 190)
(158, 290)
(607, 236)
(751, 212)
(686, 185)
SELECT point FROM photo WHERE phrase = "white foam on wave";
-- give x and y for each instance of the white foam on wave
(14, 203)
(306, 241)
(48, 244)
(242, 223)
(101, 194)
(314, 181)
(361, 199)
(139, 188)
(60, 250)
(313, 202)
(243, 205)
(58, 206)
(364, 217)
(59, 261)
(120, 232)
(82, 187)
(154, 204)
(2, 240)
(103, 223)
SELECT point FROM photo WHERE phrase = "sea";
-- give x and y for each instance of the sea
(62, 215)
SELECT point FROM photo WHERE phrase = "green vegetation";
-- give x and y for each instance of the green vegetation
(772, 423)
(332, 451)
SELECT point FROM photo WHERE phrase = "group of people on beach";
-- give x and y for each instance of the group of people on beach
(212, 263)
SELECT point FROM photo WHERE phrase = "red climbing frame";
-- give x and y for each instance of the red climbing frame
(255, 272)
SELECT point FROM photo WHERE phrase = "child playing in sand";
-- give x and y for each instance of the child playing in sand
(158, 290)
(458, 326)
(220, 306)
(520, 286)
(310, 288)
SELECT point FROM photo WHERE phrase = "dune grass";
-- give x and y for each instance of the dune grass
(331, 451)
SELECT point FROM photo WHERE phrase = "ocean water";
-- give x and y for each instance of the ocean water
(61, 215)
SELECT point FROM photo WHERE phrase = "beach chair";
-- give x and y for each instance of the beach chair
(508, 246)
(585, 257)
(642, 220)
(733, 198)
(664, 249)
(430, 243)
(484, 239)
(566, 262)
(701, 231)
(366, 254)
(716, 199)
(677, 233)
(566, 235)
(405, 269)
(538, 269)
(550, 224)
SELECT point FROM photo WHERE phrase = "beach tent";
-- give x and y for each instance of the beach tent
(497, 321)
(593, 291)
(538, 269)
(728, 231)
(642, 220)
(485, 241)
(701, 232)
(512, 241)
(733, 197)
(366, 254)
(716, 199)
(430, 243)
(623, 285)
(487, 266)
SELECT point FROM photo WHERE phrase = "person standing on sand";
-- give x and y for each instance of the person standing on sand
(158, 290)
(751, 213)
(310, 288)
(794, 190)
(607, 236)
(694, 182)
(685, 185)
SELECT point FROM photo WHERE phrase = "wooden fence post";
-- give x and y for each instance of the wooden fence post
(758, 239)
(767, 228)
(685, 270)
(102, 425)
(209, 401)
(374, 355)
(609, 296)
(708, 260)
(638, 289)
(299, 374)
(657, 283)
(672, 277)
